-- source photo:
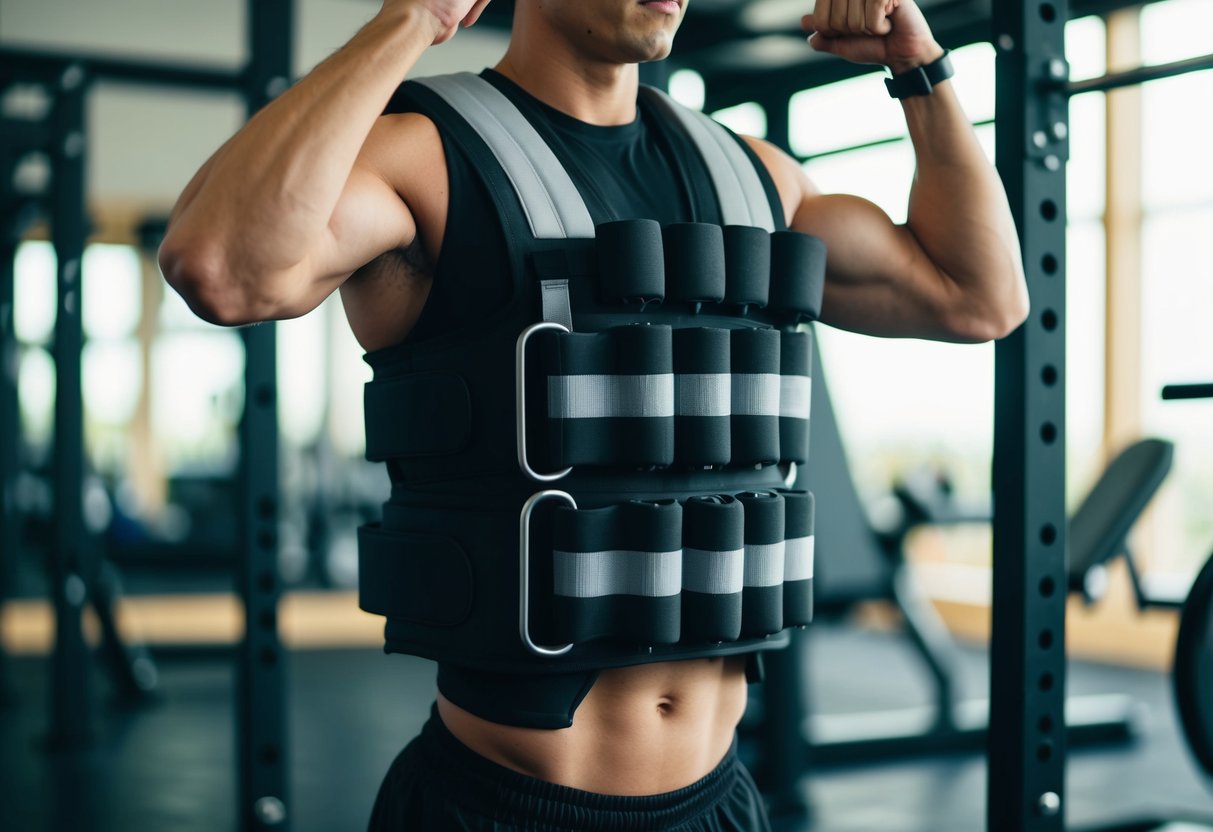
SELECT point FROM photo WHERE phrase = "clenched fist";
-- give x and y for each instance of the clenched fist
(889, 32)
(445, 16)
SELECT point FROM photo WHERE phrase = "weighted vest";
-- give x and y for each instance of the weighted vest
(596, 476)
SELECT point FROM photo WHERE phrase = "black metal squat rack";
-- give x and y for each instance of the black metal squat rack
(1026, 741)
(262, 798)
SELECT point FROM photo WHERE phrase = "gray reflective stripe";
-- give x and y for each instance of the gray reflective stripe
(703, 394)
(601, 397)
(618, 572)
(743, 199)
(763, 564)
(755, 394)
(794, 396)
(717, 573)
(550, 200)
(798, 558)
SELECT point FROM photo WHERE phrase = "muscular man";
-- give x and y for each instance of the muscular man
(347, 182)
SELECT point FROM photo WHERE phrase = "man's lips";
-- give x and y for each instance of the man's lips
(663, 6)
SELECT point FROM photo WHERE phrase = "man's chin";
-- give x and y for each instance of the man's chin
(654, 49)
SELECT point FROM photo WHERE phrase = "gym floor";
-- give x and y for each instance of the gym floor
(170, 766)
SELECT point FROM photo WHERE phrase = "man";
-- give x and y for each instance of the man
(321, 190)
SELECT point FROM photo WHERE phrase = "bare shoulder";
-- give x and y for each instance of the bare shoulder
(790, 180)
(383, 299)
(405, 151)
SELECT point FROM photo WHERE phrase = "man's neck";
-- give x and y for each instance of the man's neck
(586, 89)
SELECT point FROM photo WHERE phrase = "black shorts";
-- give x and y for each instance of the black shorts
(438, 784)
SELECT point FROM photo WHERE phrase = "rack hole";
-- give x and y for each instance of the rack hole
(1049, 264)
(265, 581)
(267, 540)
(1045, 724)
(1048, 319)
(269, 656)
(266, 507)
(1048, 534)
(1047, 587)
(264, 396)
(1048, 375)
(1046, 681)
(1048, 433)
(268, 755)
(268, 619)
(1047, 13)
(1045, 639)
(1044, 751)
(1048, 209)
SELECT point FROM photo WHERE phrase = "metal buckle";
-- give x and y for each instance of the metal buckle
(520, 400)
(524, 570)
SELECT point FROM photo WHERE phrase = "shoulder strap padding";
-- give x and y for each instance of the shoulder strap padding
(743, 200)
(553, 206)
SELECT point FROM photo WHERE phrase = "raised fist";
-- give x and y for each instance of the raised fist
(445, 16)
(889, 32)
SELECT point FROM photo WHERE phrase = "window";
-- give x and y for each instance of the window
(1177, 284)
(907, 403)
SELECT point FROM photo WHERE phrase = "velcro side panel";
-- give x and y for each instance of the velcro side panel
(422, 578)
(416, 415)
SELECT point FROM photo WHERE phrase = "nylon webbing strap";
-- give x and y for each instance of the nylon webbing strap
(551, 202)
(554, 298)
(798, 559)
(638, 396)
(611, 396)
(712, 569)
(743, 200)
(756, 394)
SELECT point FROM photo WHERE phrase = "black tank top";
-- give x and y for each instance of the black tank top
(646, 169)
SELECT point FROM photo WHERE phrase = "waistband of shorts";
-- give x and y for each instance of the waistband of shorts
(506, 795)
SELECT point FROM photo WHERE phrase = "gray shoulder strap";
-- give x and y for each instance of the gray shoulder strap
(550, 200)
(743, 200)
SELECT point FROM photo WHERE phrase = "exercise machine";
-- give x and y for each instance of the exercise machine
(1192, 669)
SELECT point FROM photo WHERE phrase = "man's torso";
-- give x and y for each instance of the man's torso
(640, 730)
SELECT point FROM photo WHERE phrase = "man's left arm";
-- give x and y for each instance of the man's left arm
(953, 271)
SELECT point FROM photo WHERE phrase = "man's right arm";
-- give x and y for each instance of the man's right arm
(298, 199)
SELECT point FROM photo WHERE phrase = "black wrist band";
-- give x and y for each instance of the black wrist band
(921, 79)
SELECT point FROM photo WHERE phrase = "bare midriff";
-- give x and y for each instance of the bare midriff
(641, 730)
